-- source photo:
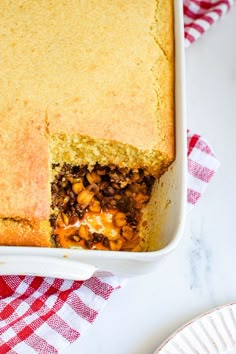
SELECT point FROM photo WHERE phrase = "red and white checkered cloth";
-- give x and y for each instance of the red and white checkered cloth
(199, 15)
(202, 165)
(45, 315)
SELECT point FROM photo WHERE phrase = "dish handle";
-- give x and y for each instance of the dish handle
(52, 267)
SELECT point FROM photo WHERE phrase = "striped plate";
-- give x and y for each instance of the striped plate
(211, 333)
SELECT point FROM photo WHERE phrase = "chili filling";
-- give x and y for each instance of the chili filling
(98, 207)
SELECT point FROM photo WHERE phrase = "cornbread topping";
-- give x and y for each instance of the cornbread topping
(86, 121)
(99, 207)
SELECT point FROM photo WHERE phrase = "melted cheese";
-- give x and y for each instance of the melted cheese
(96, 222)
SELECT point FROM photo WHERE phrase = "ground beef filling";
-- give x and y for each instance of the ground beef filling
(99, 207)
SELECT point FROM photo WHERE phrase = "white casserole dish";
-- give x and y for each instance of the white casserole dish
(168, 221)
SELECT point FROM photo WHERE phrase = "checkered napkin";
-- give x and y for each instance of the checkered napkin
(202, 165)
(199, 15)
(45, 315)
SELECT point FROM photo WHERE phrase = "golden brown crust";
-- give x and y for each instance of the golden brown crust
(90, 66)
(164, 27)
(22, 233)
(133, 104)
(163, 31)
(24, 172)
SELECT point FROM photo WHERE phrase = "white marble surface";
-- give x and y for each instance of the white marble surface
(200, 274)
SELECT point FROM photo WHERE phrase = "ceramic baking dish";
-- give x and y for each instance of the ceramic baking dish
(167, 220)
